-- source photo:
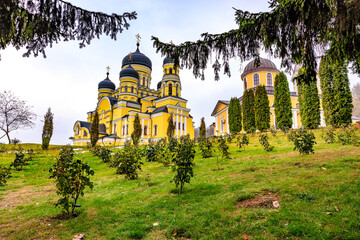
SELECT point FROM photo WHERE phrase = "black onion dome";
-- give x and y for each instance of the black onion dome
(159, 85)
(167, 60)
(106, 83)
(129, 72)
(265, 64)
(137, 58)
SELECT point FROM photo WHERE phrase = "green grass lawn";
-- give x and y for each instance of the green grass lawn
(319, 196)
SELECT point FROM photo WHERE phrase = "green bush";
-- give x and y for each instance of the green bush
(127, 161)
(4, 174)
(328, 135)
(291, 135)
(264, 141)
(273, 131)
(223, 147)
(72, 177)
(102, 152)
(184, 162)
(206, 147)
(19, 161)
(242, 140)
(347, 135)
(304, 141)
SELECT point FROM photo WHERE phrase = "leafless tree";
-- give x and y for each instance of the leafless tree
(14, 114)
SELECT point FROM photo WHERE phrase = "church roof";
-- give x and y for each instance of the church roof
(167, 60)
(160, 109)
(129, 72)
(137, 58)
(106, 83)
(265, 64)
(87, 125)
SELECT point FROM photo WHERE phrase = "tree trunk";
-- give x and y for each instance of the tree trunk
(8, 137)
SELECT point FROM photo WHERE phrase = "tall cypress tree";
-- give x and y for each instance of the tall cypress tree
(235, 118)
(47, 129)
(248, 110)
(94, 130)
(309, 102)
(262, 109)
(171, 127)
(136, 134)
(282, 102)
(202, 128)
(335, 92)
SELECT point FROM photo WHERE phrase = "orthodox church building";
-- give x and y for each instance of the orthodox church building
(253, 75)
(117, 106)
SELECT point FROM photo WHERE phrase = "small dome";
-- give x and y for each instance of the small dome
(137, 58)
(129, 72)
(265, 64)
(167, 60)
(159, 85)
(106, 83)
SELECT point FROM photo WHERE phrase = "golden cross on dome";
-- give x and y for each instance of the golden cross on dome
(171, 42)
(138, 38)
(130, 56)
(108, 69)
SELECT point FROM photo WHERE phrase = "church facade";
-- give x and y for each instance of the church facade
(118, 106)
(252, 76)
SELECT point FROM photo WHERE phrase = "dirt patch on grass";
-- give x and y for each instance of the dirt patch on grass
(24, 195)
(268, 200)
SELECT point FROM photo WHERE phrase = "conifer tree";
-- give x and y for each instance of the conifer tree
(262, 109)
(136, 134)
(171, 127)
(335, 92)
(248, 110)
(282, 102)
(309, 103)
(94, 130)
(202, 128)
(235, 118)
(47, 129)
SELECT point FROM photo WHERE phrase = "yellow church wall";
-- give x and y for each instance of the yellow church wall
(262, 78)
(221, 116)
(170, 102)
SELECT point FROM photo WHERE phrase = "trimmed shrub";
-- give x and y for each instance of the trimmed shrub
(328, 135)
(128, 161)
(4, 174)
(304, 141)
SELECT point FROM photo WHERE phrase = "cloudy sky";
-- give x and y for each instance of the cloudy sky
(67, 79)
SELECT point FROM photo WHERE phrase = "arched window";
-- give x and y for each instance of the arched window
(155, 130)
(170, 89)
(143, 81)
(115, 128)
(269, 79)
(132, 89)
(145, 130)
(123, 130)
(77, 130)
(177, 91)
(256, 80)
(171, 70)
(245, 83)
(85, 133)
(126, 88)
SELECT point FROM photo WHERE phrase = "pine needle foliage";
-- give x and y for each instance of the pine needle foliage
(309, 104)
(202, 132)
(248, 107)
(262, 109)
(235, 116)
(335, 92)
(47, 129)
(282, 102)
(171, 127)
(136, 134)
(94, 130)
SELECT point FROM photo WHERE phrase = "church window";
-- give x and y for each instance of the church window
(85, 133)
(132, 89)
(171, 70)
(142, 94)
(143, 80)
(183, 126)
(126, 88)
(145, 130)
(177, 91)
(245, 83)
(179, 126)
(170, 89)
(155, 130)
(77, 130)
(115, 128)
(256, 80)
(269, 79)
(175, 125)
(123, 130)
(127, 129)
